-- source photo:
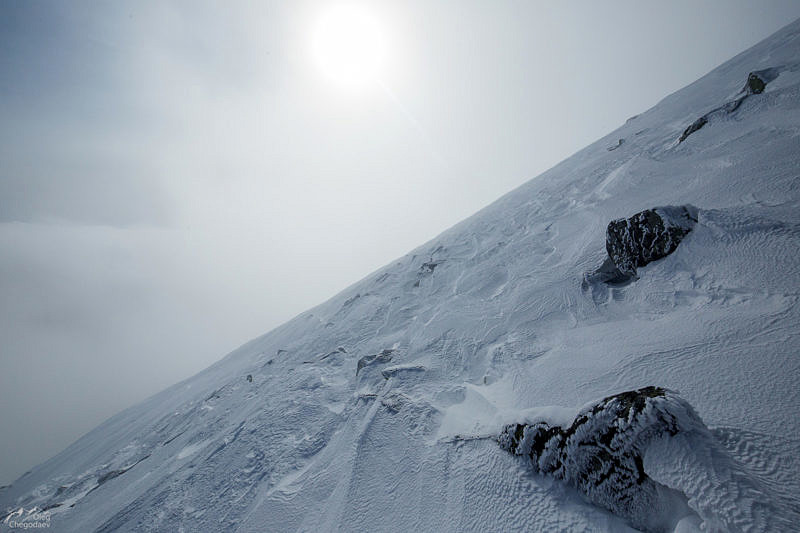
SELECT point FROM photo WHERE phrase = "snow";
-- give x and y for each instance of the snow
(193, 449)
(498, 330)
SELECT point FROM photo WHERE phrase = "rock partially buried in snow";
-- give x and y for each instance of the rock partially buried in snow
(646, 456)
(693, 127)
(385, 356)
(601, 453)
(647, 236)
(755, 85)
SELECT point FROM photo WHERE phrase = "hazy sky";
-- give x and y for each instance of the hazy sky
(179, 177)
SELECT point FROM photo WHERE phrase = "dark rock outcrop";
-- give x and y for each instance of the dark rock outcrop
(647, 236)
(428, 267)
(693, 127)
(601, 453)
(111, 474)
(337, 351)
(756, 83)
(384, 356)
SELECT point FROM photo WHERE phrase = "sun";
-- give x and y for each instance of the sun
(348, 45)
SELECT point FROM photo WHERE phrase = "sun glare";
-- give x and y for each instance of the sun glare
(348, 46)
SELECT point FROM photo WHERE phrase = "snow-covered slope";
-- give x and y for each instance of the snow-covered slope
(490, 324)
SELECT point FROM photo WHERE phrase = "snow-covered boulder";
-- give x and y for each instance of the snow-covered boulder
(647, 236)
(601, 453)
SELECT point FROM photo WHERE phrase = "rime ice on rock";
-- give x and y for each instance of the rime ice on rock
(601, 453)
(628, 452)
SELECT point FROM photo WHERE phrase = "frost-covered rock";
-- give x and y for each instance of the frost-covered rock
(647, 236)
(646, 456)
(601, 453)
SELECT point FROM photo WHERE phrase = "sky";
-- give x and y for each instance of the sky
(177, 178)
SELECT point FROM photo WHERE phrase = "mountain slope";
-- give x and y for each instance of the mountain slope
(483, 326)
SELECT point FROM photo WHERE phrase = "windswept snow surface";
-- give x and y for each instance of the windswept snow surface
(489, 325)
